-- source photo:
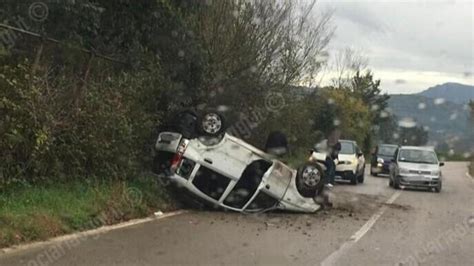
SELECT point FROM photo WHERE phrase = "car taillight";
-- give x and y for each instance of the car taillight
(178, 157)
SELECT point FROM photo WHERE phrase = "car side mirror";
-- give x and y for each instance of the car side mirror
(441, 163)
(311, 151)
(360, 154)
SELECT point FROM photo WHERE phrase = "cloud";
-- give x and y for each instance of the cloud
(359, 15)
(419, 43)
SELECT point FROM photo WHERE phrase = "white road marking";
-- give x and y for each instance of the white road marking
(92, 232)
(332, 259)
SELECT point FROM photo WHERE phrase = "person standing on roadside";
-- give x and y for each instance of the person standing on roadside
(333, 149)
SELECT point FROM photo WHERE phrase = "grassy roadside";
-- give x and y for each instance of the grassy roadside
(30, 213)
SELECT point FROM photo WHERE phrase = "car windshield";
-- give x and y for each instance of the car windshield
(418, 156)
(347, 148)
(387, 150)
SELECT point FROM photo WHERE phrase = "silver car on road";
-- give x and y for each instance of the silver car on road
(417, 167)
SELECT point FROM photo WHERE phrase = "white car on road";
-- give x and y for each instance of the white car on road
(351, 163)
(217, 169)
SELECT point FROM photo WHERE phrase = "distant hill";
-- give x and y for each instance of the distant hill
(453, 92)
(441, 109)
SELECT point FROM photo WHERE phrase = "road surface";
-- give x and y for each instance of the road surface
(371, 224)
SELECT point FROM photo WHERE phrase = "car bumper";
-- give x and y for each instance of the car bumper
(381, 168)
(344, 175)
(419, 182)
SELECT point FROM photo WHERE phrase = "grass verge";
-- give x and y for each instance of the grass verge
(30, 213)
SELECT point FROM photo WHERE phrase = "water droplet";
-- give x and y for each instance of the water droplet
(181, 53)
(451, 152)
(421, 106)
(337, 122)
(374, 107)
(331, 101)
(383, 114)
(466, 155)
(407, 122)
(439, 101)
(223, 108)
(396, 136)
(453, 116)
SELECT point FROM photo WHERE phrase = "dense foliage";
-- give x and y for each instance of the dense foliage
(68, 113)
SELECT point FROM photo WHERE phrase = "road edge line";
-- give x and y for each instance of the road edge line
(332, 258)
(96, 231)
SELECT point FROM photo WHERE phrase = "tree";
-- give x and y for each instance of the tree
(413, 136)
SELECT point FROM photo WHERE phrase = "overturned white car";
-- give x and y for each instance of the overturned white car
(224, 171)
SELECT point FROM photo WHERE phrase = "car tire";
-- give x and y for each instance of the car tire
(390, 181)
(277, 144)
(184, 123)
(354, 179)
(310, 180)
(361, 177)
(396, 183)
(211, 123)
(438, 188)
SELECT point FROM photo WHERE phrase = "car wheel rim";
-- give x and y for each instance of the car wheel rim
(311, 176)
(211, 123)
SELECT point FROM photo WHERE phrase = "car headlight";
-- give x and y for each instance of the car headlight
(404, 171)
(345, 162)
(436, 173)
(380, 160)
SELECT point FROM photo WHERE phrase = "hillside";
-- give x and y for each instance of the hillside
(453, 92)
(441, 109)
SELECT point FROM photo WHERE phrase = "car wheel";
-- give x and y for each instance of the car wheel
(183, 122)
(277, 144)
(438, 188)
(396, 183)
(361, 177)
(310, 180)
(354, 179)
(390, 182)
(373, 174)
(211, 123)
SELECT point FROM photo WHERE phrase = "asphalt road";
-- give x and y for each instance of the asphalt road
(371, 224)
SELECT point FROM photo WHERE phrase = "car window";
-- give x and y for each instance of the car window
(417, 156)
(247, 184)
(210, 182)
(387, 150)
(347, 148)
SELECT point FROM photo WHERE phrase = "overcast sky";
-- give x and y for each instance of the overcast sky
(411, 45)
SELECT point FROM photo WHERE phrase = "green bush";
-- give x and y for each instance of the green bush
(58, 132)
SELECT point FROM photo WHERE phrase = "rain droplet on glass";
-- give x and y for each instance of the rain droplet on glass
(439, 101)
